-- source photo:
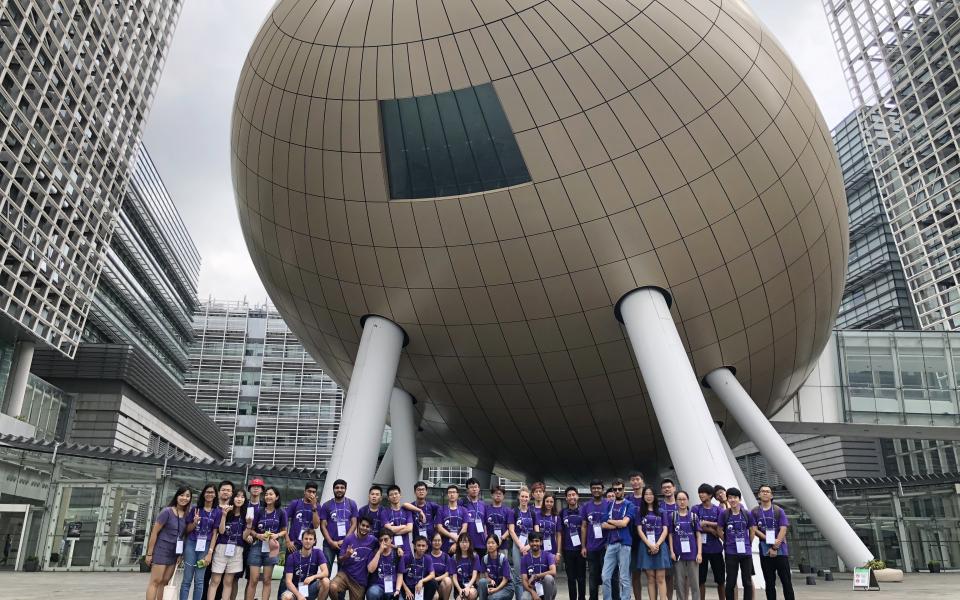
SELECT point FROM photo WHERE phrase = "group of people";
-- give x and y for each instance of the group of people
(468, 548)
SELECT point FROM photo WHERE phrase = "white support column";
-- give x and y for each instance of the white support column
(824, 514)
(384, 474)
(403, 423)
(365, 407)
(688, 429)
(19, 377)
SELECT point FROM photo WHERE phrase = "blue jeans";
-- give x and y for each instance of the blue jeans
(617, 555)
(505, 594)
(312, 590)
(191, 572)
(375, 592)
(515, 572)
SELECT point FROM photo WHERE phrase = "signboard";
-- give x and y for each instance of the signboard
(864, 579)
(73, 530)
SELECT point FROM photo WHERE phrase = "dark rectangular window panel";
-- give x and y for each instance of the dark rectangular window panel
(448, 144)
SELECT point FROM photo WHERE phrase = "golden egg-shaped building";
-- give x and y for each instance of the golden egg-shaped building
(494, 176)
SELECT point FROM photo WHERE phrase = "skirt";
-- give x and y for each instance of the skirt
(653, 562)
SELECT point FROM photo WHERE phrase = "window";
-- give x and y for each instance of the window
(457, 142)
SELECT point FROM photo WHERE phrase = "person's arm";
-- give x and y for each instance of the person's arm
(663, 536)
(400, 585)
(316, 515)
(326, 535)
(288, 579)
(194, 520)
(353, 525)
(375, 561)
(443, 531)
(415, 509)
(154, 532)
(699, 547)
(673, 556)
(223, 522)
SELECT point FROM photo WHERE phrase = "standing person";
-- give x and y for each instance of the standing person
(668, 506)
(269, 527)
(574, 562)
(686, 549)
(202, 522)
(499, 516)
(166, 542)
(302, 514)
(228, 555)
(615, 579)
(372, 510)
(771, 527)
(538, 571)
(538, 491)
(524, 521)
(354, 557)
(451, 519)
(720, 495)
(620, 516)
(636, 498)
(494, 581)
(224, 501)
(386, 573)
(655, 559)
(594, 514)
(419, 580)
(708, 514)
(737, 527)
(305, 572)
(338, 519)
(423, 525)
(476, 516)
(441, 567)
(255, 487)
(465, 568)
(548, 525)
(7, 546)
(398, 520)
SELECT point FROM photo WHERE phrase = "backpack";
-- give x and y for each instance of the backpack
(500, 559)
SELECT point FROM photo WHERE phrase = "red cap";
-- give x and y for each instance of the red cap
(255, 481)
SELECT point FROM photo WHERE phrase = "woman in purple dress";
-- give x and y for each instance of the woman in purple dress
(166, 542)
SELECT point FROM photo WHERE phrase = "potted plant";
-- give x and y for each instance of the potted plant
(876, 565)
(31, 564)
(54, 558)
(803, 564)
(883, 573)
(934, 566)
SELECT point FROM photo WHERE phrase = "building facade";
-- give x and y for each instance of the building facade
(901, 66)
(254, 378)
(876, 294)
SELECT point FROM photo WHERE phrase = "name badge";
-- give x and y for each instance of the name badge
(548, 544)
(230, 550)
(703, 538)
(388, 587)
(741, 546)
(264, 546)
(341, 529)
(478, 525)
(201, 544)
(398, 540)
(418, 595)
(597, 531)
(523, 540)
(574, 539)
(250, 512)
(179, 546)
(304, 589)
(539, 587)
(685, 546)
(771, 537)
(498, 533)
(651, 537)
(300, 536)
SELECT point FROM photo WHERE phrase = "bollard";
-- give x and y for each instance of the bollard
(819, 572)
(828, 575)
(811, 580)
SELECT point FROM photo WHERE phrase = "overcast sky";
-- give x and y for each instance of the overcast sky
(188, 131)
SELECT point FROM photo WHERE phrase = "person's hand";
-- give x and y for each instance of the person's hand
(196, 517)
(419, 586)
(490, 591)
(583, 552)
(452, 550)
(699, 558)
(400, 552)
(772, 552)
(654, 549)
(408, 595)
(300, 596)
(525, 550)
(336, 545)
(148, 559)
(209, 557)
(533, 595)
(349, 551)
(291, 547)
(673, 556)
(384, 547)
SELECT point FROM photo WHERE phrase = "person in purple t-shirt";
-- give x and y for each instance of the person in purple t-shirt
(423, 524)
(451, 519)
(668, 505)
(419, 578)
(441, 566)
(737, 525)
(355, 553)
(386, 570)
(708, 514)
(202, 522)
(771, 527)
(465, 569)
(499, 516)
(524, 521)
(302, 514)
(338, 519)
(548, 524)
(574, 563)
(166, 541)
(538, 571)
(476, 516)
(374, 509)
(398, 520)
(594, 515)
(685, 548)
(494, 581)
(305, 573)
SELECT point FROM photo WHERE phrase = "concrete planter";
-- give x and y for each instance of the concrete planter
(888, 575)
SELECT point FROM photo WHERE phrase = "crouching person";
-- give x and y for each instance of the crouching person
(305, 574)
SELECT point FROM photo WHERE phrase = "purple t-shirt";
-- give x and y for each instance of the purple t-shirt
(463, 567)
(534, 565)
(388, 567)
(570, 520)
(452, 519)
(414, 569)
(400, 517)
(736, 527)
(377, 518)
(493, 569)
(652, 523)
(712, 544)
(476, 511)
(233, 529)
(772, 520)
(209, 520)
(300, 518)
(595, 514)
(264, 521)
(441, 564)
(304, 566)
(425, 528)
(498, 519)
(356, 565)
(548, 527)
(684, 529)
(524, 521)
(173, 526)
(334, 512)
(666, 509)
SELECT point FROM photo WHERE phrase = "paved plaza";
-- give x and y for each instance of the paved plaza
(131, 586)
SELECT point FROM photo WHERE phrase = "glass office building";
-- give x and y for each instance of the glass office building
(254, 378)
(903, 70)
(876, 294)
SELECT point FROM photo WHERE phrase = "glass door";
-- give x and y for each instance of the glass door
(74, 527)
(126, 526)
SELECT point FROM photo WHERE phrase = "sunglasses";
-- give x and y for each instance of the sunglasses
(618, 489)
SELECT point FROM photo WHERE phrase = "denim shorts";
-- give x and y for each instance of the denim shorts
(261, 559)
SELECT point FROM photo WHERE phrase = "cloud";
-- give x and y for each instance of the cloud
(188, 132)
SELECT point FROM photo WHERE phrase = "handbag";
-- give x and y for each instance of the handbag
(171, 591)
